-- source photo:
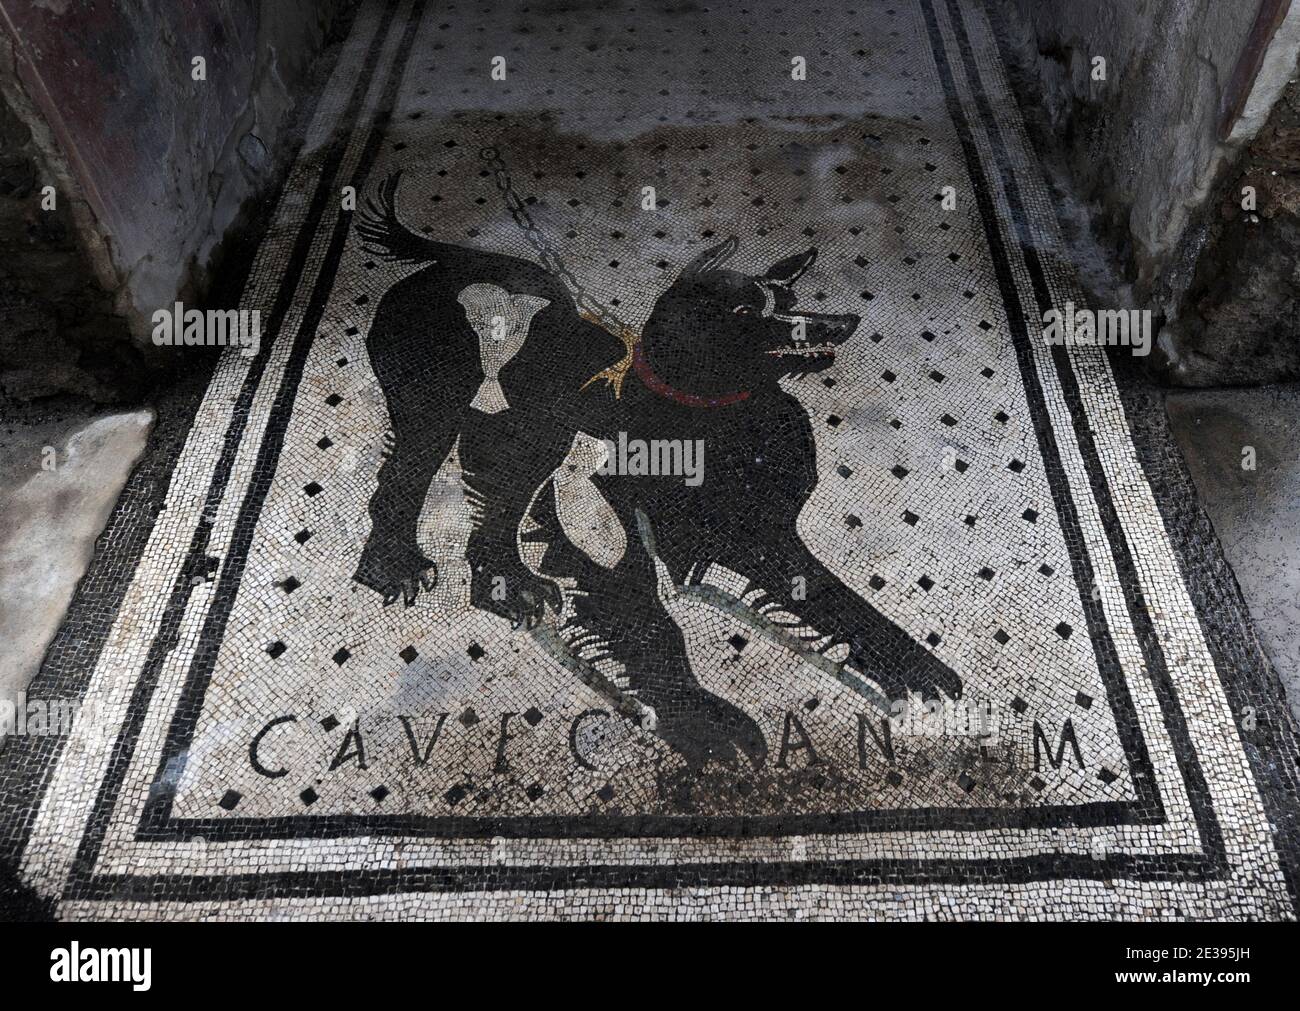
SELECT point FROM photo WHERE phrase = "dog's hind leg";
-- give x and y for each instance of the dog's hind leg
(426, 362)
(621, 607)
(798, 582)
(506, 457)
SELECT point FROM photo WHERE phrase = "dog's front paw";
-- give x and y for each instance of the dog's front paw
(515, 592)
(396, 571)
(701, 728)
(920, 673)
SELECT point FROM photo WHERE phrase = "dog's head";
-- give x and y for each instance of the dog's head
(718, 329)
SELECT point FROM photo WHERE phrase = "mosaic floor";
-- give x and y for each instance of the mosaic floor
(654, 498)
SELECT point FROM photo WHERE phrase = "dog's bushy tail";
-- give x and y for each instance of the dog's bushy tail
(382, 232)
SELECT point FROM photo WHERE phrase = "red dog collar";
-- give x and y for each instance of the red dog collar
(656, 384)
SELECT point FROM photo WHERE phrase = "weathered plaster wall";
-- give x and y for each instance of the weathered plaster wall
(1154, 149)
(1239, 323)
(1144, 142)
(156, 165)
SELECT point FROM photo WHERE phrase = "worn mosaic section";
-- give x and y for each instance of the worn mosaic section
(670, 490)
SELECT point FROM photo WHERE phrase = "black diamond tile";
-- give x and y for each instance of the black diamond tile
(456, 794)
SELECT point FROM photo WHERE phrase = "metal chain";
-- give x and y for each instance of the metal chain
(551, 259)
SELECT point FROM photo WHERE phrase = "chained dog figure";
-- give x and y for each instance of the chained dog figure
(706, 370)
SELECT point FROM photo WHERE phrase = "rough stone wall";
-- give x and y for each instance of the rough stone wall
(157, 165)
(58, 329)
(1156, 150)
(1240, 320)
(1145, 142)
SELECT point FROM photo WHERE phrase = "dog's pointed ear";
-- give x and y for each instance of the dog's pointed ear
(786, 272)
(712, 259)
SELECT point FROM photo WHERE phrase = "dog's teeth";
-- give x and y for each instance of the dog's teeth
(815, 349)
